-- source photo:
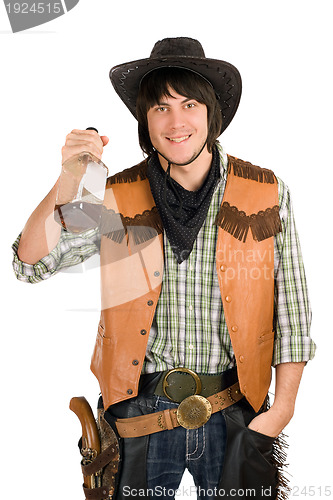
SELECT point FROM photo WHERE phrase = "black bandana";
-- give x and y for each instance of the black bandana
(182, 212)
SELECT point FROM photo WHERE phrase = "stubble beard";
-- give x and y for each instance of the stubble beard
(195, 155)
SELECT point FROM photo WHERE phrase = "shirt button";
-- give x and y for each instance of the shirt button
(223, 268)
(150, 302)
(228, 298)
(191, 346)
(135, 362)
(143, 332)
(190, 267)
(129, 391)
(190, 308)
(234, 328)
(241, 359)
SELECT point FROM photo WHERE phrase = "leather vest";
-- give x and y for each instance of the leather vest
(132, 264)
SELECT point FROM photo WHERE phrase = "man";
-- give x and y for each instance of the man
(203, 286)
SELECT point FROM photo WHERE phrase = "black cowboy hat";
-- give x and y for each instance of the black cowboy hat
(185, 53)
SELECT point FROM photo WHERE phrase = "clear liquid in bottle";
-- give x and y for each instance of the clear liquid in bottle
(81, 193)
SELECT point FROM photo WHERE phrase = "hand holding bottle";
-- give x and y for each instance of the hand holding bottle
(78, 141)
(82, 181)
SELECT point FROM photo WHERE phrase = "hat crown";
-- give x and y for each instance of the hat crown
(181, 46)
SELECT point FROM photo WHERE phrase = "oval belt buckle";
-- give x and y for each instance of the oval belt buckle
(194, 411)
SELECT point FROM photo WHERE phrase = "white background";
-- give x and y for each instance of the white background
(55, 78)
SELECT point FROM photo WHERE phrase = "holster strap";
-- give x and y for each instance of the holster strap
(167, 419)
(96, 493)
(100, 461)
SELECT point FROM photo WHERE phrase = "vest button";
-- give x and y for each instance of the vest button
(129, 391)
(223, 268)
(241, 359)
(156, 273)
(228, 298)
(135, 362)
(150, 302)
(234, 328)
(143, 332)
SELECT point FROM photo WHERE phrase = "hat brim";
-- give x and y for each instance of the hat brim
(223, 76)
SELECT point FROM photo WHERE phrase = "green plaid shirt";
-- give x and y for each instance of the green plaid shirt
(189, 327)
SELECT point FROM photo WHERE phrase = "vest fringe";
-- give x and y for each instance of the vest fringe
(263, 225)
(266, 223)
(141, 227)
(246, 170)
(233, 221)
(129, 174)
(112, 225)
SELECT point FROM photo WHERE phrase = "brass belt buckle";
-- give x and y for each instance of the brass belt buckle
(194, 411)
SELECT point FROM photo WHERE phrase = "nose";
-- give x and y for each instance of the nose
(177, 119)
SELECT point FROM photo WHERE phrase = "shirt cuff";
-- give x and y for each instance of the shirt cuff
(293, 349)
(34, 273)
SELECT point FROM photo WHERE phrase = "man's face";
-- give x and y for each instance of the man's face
(178, 127)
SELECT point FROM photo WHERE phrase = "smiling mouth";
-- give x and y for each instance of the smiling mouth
(178, 139)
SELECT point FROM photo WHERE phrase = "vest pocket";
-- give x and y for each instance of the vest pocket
(265, 336)
(266, 346)
(101, 336)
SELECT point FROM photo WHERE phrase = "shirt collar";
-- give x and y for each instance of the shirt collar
(223, 161)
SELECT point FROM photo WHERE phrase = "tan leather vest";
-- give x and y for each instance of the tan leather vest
(132, 272)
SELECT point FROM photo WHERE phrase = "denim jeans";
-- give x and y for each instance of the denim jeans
(201, 451)
(152, 466)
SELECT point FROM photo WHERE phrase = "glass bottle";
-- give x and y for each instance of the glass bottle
(81, 192)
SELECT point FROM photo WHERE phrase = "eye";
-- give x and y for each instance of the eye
(161, 109)
(190, 105)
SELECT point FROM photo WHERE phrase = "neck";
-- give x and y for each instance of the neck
(192, 176)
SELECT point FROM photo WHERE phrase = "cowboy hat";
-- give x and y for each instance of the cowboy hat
(186, 53)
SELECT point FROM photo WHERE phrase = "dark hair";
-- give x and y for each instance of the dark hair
(186, 83)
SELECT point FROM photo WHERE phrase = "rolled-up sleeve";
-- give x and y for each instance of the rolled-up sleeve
(72, 249)
(292, 315)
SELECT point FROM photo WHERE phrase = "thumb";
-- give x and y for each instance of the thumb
(105, 139)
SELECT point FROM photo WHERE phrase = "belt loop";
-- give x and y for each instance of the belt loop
(168, 419)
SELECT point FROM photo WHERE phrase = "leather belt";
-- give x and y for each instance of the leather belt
(192, 410)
